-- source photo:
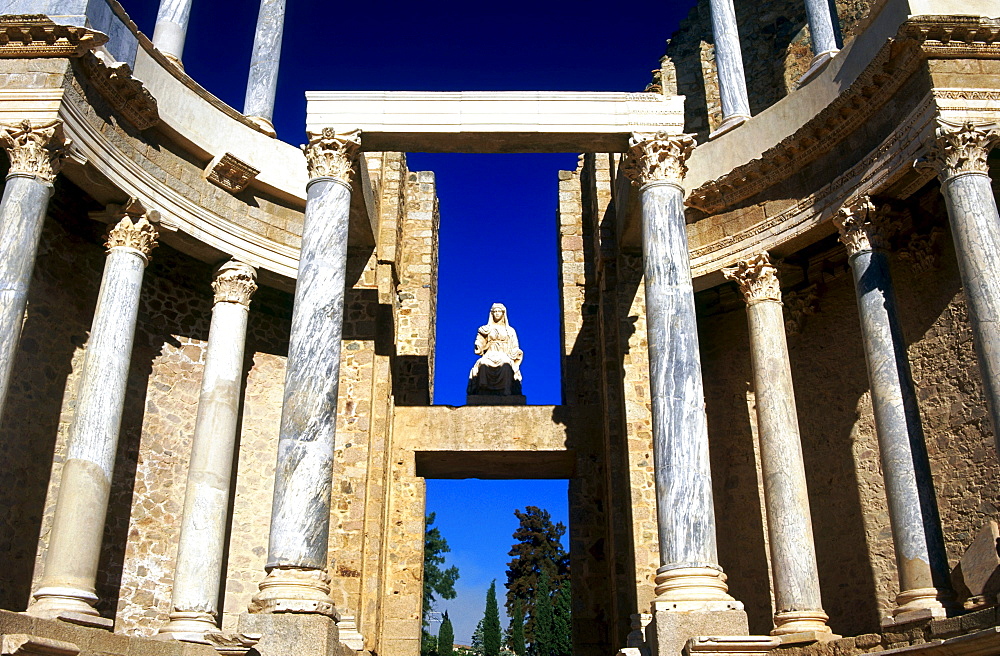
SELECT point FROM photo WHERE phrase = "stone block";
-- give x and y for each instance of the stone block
(671, 629)
(977, 577)
(292, 633)
(11, 622)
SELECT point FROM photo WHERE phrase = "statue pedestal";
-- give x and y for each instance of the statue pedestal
(495, 399)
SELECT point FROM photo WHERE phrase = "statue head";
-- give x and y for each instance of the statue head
(498, 314)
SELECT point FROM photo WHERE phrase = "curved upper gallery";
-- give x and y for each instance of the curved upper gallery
(140, 127)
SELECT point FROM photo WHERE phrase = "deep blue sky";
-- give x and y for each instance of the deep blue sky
(498, 227)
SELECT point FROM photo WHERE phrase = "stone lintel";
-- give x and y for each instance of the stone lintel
(500, 465)
(495, 121)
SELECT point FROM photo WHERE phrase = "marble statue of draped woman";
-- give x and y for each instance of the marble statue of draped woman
(498, 369)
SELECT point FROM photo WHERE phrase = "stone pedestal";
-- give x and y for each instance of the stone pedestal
(495, 399)
(294, 634)
(674, 624)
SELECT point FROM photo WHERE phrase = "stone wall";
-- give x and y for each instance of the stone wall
(774, 39)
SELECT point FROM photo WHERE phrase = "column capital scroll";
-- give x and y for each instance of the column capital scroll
(34, 149)
(135, 233)
(959, 148)
(234, 282)
(863, 227)
(332, 154)
(757, 279)
(658, 157)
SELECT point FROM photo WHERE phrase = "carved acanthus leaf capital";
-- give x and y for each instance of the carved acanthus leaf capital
(961, 148)
(332, 154)
(35, 149)
(234, 282)
(659, 157)
(757, 279)
(135, 233)
(863, 227)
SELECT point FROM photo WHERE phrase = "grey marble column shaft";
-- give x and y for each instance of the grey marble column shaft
(200, 551)
(300, 515)
(685, 512)
(821, 32)
(171, 27)
(975, 227)
(729, 65)
(262, 83)
(916, 529)
(68, 582)
(22, 213)
(798, 604)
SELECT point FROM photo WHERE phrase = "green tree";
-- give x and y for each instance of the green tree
(446, 637)
(477, 639)
(437, 581)
(428, 643)
(537, 547)
(543, 642)
(562, 622)
(515, 632)
(491, 623)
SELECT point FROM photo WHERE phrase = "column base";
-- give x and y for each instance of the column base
(817, 64)
(917, 605)
(68, 604)
(295, 590)
(728, 125)
(347, 626)
(800, 621)
(691, 588)
(173, 59)
(189, 626)
(266, 126)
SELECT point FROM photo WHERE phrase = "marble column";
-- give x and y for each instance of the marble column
(690, 568)
(35, 151)
(921, 560)
(798, 607)
(959, 155)
(70, 574)
(171, 28)
(822, 34)
(200, 551)
(262, 83)
(729, 67)
(300, 513)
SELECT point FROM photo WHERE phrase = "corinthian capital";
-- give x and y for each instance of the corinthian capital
(34, 149)
(234, 282)
(134, 233)
(757, 279)
(863, 227)
(961, 148)
(331, 154)
(658, 157)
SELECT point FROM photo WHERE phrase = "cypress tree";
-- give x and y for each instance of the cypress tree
(477, 639)
(491, 623)
(537, 547)
(562, 622)
(446, 637)
(542, 644)
(517, 630)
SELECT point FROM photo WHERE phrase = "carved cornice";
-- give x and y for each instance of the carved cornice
(134, 233)
(862, 227)
(923, 252)
(960, 148)
(234, 282)
(332, 154)
(919, 38)
(114, 81)
(658, 157)
(35, 35)
(34, 149)
(798, 306)
(757, 279)
(230, 173)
